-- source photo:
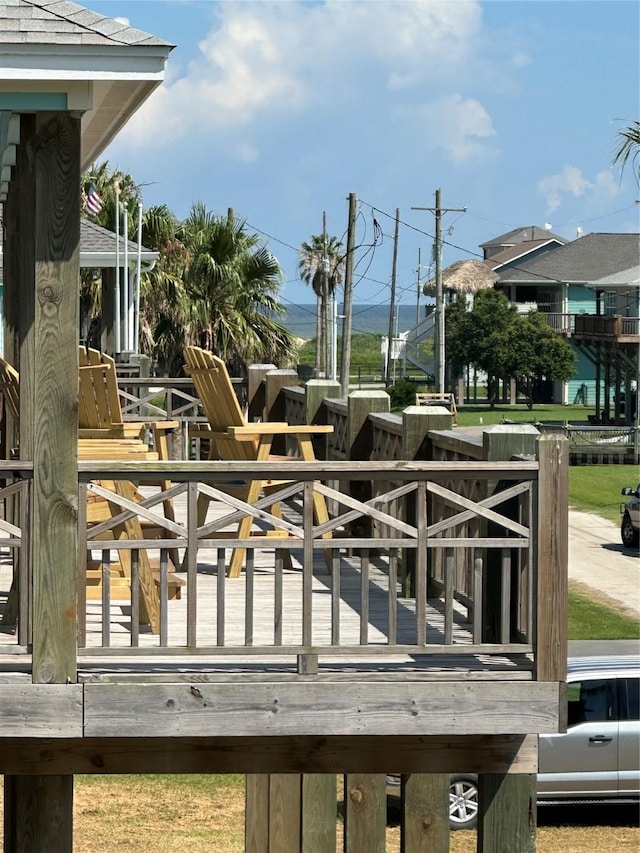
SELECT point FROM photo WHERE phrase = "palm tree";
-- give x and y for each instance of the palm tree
(231, 285)
(321, 266)
(107, 183)
(629, 149)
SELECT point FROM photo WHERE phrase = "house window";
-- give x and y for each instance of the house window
(609, 303)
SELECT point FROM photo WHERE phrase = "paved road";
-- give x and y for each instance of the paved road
(598, 560)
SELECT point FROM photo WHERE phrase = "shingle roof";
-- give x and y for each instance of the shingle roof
(589, 258)
(63, 22)
(519, 235)
(520, 249)
(96, 240)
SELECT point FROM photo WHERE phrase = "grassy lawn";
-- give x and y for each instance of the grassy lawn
(596, 488)
(592, 620)
(473, 415)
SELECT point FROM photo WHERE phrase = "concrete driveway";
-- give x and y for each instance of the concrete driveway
(598, 560)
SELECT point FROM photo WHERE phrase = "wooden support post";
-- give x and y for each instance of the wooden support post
(425, 813)
(507, 813)
(552, 537)
(40, 810)
(256, 830)
(284, 812)
(365, 799)
(51, 376)
(36, 815)
(319, 812)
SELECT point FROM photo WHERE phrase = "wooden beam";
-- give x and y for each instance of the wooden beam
(303, 708)
(317, 754)
(54, 711)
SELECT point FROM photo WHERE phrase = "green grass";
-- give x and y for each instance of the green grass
(591, 620)
(476, 414)
(596, 488)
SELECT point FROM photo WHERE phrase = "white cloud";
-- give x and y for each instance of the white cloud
(263, 60)
(570, 181)
(458, 126)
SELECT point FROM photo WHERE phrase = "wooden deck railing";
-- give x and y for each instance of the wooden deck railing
(353, 608)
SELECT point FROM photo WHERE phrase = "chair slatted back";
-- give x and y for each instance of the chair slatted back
(98, 400)
(10, 388)
(219, 401)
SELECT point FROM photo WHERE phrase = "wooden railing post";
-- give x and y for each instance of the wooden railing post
(416, 423)
(255, 389)
(359, 405)
(316, 392)
(500, 442)
(274, 403)
(275, 381)
(552, 537)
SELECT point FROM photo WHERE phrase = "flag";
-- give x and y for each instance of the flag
(93, 204)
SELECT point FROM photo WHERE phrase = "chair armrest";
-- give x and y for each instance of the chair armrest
(242, 433)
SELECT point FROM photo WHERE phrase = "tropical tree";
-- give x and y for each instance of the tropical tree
(110, 185)
(321, 266)
(232, 284)
(494, 338)
(629, 149)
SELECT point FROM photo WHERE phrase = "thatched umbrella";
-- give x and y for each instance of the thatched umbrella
(464, 277)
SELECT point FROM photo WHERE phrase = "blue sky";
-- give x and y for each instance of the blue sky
(281, 109)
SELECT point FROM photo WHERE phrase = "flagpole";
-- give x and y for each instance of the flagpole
(136, 340)
(116, 308)
(126, 282)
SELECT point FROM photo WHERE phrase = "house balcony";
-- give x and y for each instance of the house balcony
(615, 329)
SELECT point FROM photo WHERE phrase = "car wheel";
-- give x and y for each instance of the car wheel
(630, 536)
(463, 802)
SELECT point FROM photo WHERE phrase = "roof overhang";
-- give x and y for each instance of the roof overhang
(622, 280)
(106, 84)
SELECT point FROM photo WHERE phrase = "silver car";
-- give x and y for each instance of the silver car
(597, 759)
(630, 511)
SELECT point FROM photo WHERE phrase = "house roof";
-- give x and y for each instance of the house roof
(464, 277)
(61, 22)
(98, 247)
(589, 258)
(519, 250)
(618, 280)
(56, 55)
(521, 235)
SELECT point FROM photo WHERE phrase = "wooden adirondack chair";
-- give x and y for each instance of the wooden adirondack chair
(233, 439)
(106, 439)
(100, 417)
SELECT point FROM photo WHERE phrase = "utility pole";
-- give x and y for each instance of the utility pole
(439, 353)
(418, 289)
(345, 367)
(392, 306)
(324, 267)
